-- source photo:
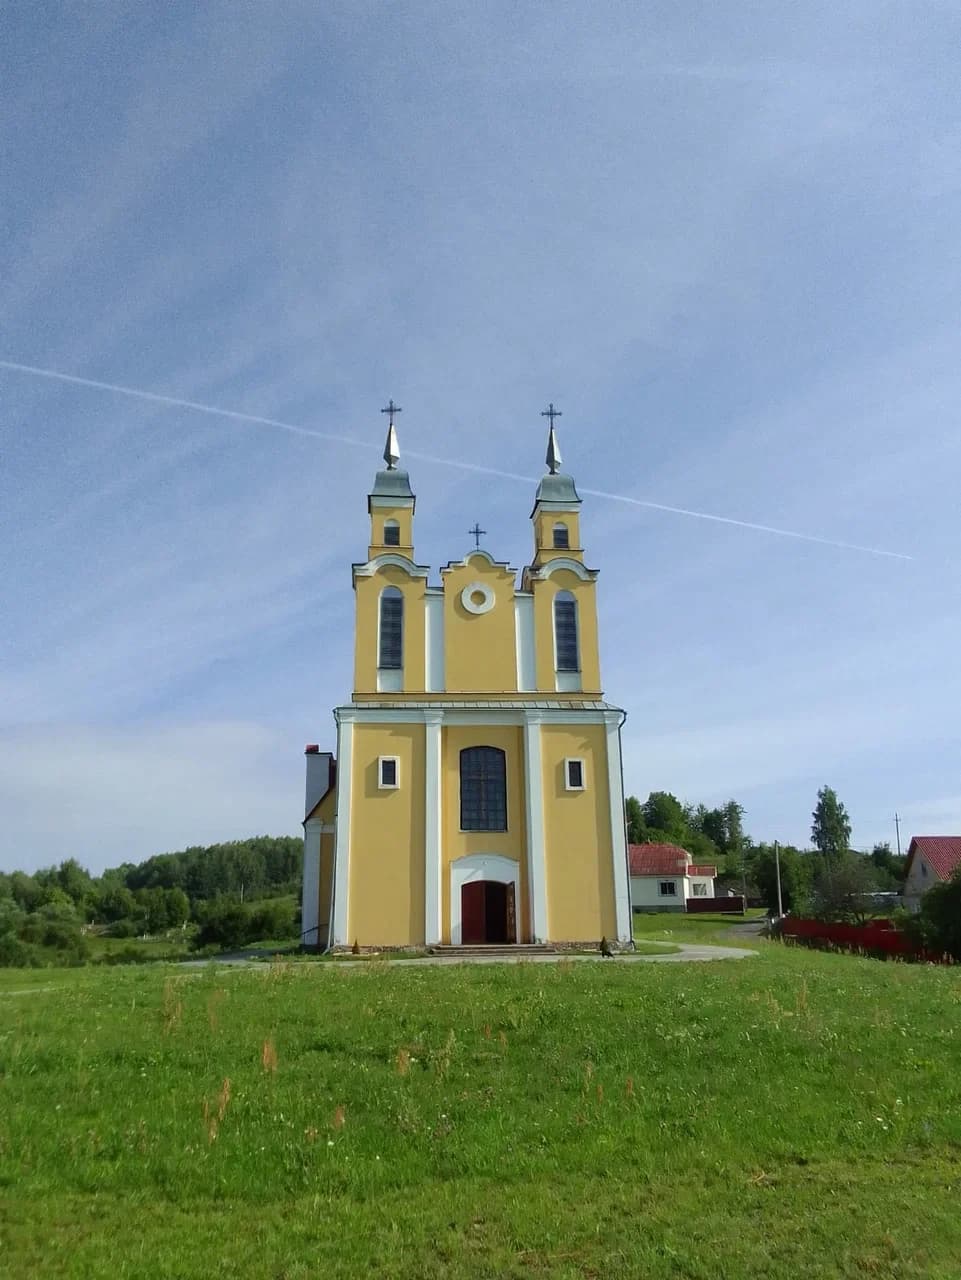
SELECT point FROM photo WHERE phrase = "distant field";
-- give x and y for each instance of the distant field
(796, 1116)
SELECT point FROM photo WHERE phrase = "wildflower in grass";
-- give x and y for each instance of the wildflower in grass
(310, 1134)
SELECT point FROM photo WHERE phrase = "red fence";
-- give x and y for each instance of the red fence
(724, 906)
(876, 936)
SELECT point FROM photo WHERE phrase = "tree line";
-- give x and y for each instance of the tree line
(830, 879)
(224, 889)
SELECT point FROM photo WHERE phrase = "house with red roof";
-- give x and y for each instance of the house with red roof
(664, 876)
(931, 859)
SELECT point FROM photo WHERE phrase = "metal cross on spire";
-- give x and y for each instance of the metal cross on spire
(553, 458)
(477, 533)
(392, 447)
(395, 408)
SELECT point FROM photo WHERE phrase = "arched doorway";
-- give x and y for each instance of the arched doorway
(488, 912)
(483, 900)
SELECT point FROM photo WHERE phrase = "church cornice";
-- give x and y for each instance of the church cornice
(478, 554)
(367, 569)
(544, 571)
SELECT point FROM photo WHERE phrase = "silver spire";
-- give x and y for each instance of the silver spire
(553, 458)
(392, 447)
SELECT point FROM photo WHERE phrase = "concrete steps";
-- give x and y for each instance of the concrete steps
(494, 949)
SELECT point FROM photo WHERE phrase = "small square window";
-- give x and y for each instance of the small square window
(574, 774)
(667, 889)
(391, 534)
(699, 889)
(388, 772)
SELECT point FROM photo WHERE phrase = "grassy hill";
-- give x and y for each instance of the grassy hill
(796, 1115)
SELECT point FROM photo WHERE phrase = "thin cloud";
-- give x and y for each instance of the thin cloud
(351, 441)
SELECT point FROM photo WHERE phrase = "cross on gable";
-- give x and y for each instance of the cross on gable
(552, 413)
(477, 533)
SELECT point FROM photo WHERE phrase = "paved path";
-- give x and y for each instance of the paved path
(687, 951)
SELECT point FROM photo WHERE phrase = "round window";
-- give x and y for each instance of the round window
(477, 598)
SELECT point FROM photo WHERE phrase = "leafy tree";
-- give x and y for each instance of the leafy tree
(841, 889)
(796, 876)
(664, 814)
(115, 902)
(890, 866)
(74, 880)
(178, 908)
(26, 890)
(635, 820)
(831, 827)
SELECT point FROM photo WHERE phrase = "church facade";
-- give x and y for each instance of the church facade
(475, 793)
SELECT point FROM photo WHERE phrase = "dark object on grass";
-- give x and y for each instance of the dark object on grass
(355, 949)
(606, 948)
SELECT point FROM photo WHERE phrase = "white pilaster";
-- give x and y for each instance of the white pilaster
(434, 641)
(345, 751)
(433, 726)
(524, 642)
(615, 782)
(310, 908)
(536, 861)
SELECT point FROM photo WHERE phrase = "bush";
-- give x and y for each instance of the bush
(127, 928)
(937, 926)
(15, 954)
(229, 924)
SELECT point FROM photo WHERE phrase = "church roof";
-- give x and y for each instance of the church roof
(392, 484)
(557, 488)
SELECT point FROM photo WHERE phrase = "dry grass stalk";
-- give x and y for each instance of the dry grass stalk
(214, 1115)
(213, 1006)
(402, 1061)
(268, 1055)
(339, 1118)
(629, 1087)
(172, 1007)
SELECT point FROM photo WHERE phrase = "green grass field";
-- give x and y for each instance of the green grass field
(796, 1115)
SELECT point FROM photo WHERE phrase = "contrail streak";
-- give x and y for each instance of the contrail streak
(353, 442)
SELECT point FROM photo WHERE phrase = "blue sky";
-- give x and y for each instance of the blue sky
(723, 239)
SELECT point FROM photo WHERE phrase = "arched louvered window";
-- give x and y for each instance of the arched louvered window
(483, 789)
(391, 654)
(391, 533)
(562, 537)
(565, 632)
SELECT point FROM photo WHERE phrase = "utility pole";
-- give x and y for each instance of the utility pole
(777, 868)
(897, 828)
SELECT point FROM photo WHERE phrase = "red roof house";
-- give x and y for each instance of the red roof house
(663, 877)
(931, 859)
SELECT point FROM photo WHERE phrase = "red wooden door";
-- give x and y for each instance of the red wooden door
(473, 912)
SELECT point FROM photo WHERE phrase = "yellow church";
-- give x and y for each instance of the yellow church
(475, 795)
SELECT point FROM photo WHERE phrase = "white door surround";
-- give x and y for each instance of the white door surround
(479, 866)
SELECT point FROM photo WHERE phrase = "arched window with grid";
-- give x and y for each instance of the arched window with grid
(566, 653)
(483, 789)
(391, 648)
(562, 536)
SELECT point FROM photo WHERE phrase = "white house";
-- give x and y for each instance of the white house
(931, 859)
(663, 877)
